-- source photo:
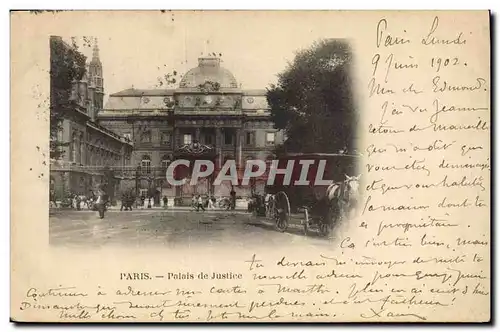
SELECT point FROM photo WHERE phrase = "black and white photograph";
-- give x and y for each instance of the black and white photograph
(190, 166)
(201, 146)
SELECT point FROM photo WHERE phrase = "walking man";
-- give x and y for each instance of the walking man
(101, 202)
(143, 199)
(78, 201)
(125, 201)
(211, 205)
(194, 202)
(233, 199)
(200, 204)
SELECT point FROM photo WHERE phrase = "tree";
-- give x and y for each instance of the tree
(66, 65)
(313, 101)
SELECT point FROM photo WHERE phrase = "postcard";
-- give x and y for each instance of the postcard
(250, 166)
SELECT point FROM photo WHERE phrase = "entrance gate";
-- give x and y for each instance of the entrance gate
(193, 152)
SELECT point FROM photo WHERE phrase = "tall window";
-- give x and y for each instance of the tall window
(209, 139)
(166, 138)
(187, 139)
(82, 184)
(164, 162)
(270, 138)
(60, 135)
(228, 137)
(249, 138)
(146, 164)
(74, 148)
(82, 151)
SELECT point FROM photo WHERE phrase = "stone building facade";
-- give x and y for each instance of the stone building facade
(93, 152)
(207, 117)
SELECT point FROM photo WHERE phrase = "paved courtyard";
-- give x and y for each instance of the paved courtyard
(176, 229)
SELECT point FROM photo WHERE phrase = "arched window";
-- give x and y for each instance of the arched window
(73, 148)
(146, 164)
(166, 138)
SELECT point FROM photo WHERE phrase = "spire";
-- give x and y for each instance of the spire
(95, 52)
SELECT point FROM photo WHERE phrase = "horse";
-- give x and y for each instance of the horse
(344, 195)
(269, 203)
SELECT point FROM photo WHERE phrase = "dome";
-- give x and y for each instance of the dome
(208, 69)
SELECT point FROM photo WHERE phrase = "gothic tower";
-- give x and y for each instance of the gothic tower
(95, 78)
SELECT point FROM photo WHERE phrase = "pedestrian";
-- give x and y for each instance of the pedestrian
(193, 202)
(73, 200)
(78, 201)
(211, 205)
(165, 202)
(102, 200)
(130, 199)
(143, 199)
(200, 204)
(52, 197)
(233, 199)
(124, 201)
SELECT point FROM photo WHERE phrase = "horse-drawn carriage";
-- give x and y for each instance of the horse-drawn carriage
(322, 194)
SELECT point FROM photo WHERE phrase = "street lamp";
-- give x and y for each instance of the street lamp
(150, 180)
(137, 173)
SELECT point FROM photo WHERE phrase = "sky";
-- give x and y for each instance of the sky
(135, 51)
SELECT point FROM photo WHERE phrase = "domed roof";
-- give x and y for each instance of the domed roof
(208, 70)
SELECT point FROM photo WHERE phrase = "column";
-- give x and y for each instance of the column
(176, 139)
(83, 149)
(237, 146)
(218, 147)
(78, 150)
(197, 135)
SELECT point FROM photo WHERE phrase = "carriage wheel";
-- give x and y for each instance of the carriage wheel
(281, 211)
(306, 221)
